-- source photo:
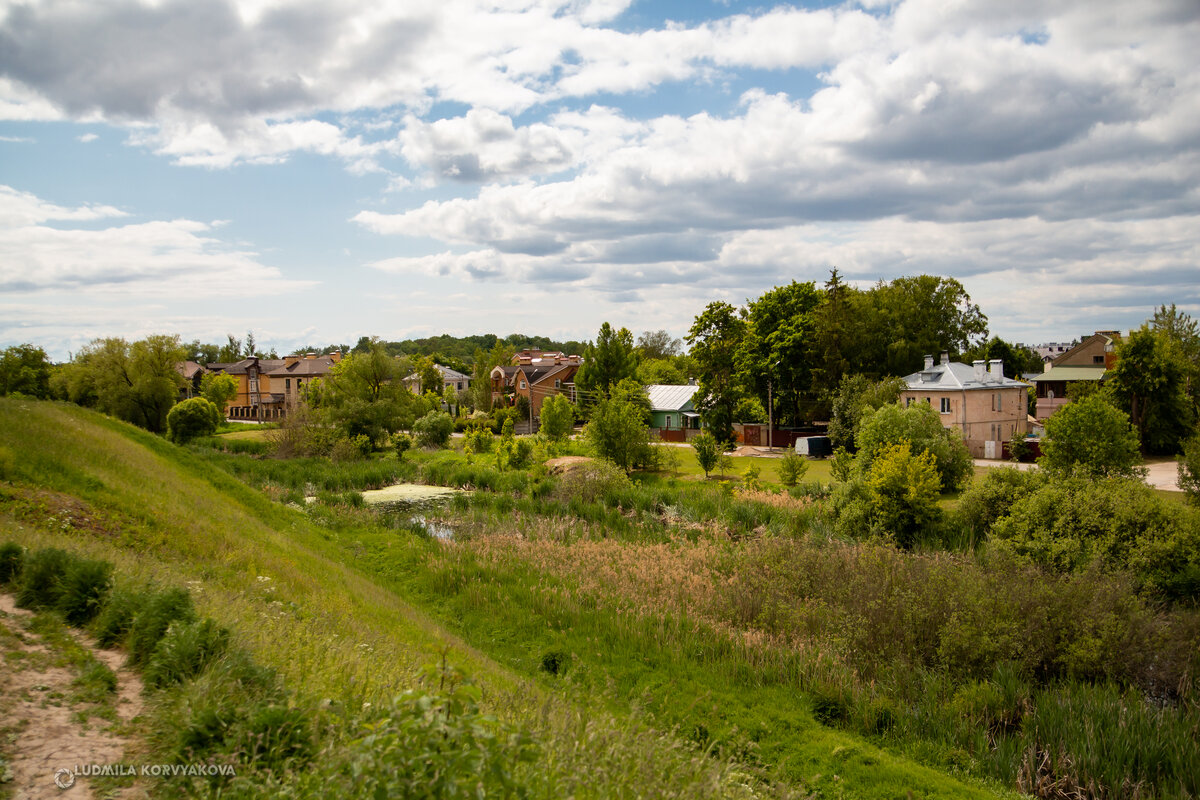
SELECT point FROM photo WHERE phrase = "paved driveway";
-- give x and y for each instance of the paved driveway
(1161, 474)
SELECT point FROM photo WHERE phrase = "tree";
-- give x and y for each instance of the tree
(431, 378)
(1149, 383)
(856, 396)
(1093, 437)
(660, 371)
(558, 417)
(606, 363)
(218, 389)
(364, 396)
(618, 433)
(714, 338)
(658, 345)
(920, 426)
(498, 355)
(24, 369)
(926, 314)
(192, 419)
(708, 452)
(833, 334)
(630, 391)
(1017, 359)
(773, 358)
(135, 382)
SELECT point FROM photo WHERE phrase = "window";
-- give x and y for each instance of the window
(460, 386)
(945, 405)
(557, 383)
(668, 420)
(1097, 359)
(287, 384)
(994, 402)
(523, 384)
(254, 384)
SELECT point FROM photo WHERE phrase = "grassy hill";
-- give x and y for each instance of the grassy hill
(347, 617)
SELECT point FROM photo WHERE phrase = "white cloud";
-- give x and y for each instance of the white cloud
(172, 258)
(88, 137)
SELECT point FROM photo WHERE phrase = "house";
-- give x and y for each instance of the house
(673, 416)
(450, 377)
(192, 373)
(988, 408)
(267, 387)
(1087, 361)
(298, 372)
(534, 375)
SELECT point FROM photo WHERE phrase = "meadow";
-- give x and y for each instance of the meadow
(603, 637)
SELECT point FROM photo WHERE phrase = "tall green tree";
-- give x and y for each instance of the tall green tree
(498, 355)
(364, 395)
(607, 362)
(774, 356)
(1183, 335)
(24, 369)
(218, 389)
(619, 433)
(658, 345)
(1017, 360)
(921, 427)
(1149, 384)
(136, 382)
(833, 334)
(714, 339)
(926, 314)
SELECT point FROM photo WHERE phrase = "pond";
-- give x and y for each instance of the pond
(405, 502)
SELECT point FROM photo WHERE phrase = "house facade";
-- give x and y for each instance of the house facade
(1088, 361)
(450, 377)
(988, 408)
(267, 387)
(673, 415)
(535, 375)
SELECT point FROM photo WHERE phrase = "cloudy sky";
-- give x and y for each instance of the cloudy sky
(317, 171)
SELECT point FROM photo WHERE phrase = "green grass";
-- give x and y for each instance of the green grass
(334, 630)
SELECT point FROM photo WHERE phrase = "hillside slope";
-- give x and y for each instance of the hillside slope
(75, 479)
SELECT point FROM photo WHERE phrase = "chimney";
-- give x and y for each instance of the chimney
(928, 363)
(996, 370)
(945, 358)
(289, 360)
(980, 368)
(309, 356)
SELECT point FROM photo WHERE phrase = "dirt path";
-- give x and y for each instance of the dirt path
(42, 728)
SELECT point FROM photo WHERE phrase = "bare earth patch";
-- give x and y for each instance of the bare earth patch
(40, 729)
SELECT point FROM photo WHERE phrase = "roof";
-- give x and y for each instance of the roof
(188, 369)
(264, 365)
(956, 376)
(305, 367)
(668, 397)
(1072, 374)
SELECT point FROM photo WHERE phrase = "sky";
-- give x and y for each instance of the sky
(319, 171)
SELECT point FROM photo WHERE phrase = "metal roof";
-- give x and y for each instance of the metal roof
(1072, 374)
(956, 376)
(667, 397)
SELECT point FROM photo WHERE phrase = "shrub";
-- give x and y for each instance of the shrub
(117, 615)
(478, 439)
(591, 481)
(990, 497)
(792, 468)
(12, 556)
(1189, 469)
(842, 467)
(434, 429)
(41, 580)
(921, 427)
(152, 622)
(84, 588)
(402, 443)
(191, 419)
(350, 448)
(184, 650)
(904, 492)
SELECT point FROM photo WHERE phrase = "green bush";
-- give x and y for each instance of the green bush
(590, 482)
(1189, 469)
(1091, 436)
(792, 468)
(988, 498)
(184, 650)
(117, 614)
(155, 617)
(191, 419)
(708, 451)
(41, 581)
(434, 429)
(12, 557)
(921, 427)
(84, 588)
(350, 448)
(402, 443)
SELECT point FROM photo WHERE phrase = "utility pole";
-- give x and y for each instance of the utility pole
(770, 417)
